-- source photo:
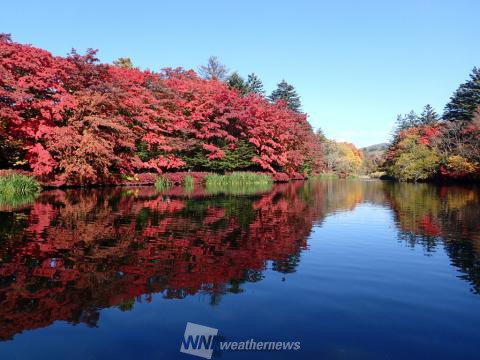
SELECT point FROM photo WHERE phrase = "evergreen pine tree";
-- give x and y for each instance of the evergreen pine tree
(254, 84)
(287, 93)
(428, 116)
(235, 81)
(407, 121)
(320, 135)
(465, 100)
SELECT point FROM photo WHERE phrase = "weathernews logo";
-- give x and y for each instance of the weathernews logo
(203, 341)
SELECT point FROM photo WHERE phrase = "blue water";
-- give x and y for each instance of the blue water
(365, 270)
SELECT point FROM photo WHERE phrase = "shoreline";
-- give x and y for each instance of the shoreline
(177, 179)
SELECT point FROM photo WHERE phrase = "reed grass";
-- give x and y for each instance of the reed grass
(188, 183)
(237, 178)
(162, 183)
(238, 183)
(18, 189)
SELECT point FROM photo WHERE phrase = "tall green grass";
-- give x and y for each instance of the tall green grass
(238, 183)
(237, 178)
(162, 183)
(17, 190)
(188, 183)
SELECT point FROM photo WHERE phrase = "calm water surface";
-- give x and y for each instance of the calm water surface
(351, 269)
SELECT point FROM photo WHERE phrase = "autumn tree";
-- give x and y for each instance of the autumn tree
(459, 144)
(287, 93)
(213, 70)
(124, 62)
(331, 154)
(373, 158)
(342, 158)
(73, 120)
(33, 100)
(413, 160)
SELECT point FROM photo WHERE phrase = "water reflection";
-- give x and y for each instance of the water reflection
(75, 252)
(448, 216)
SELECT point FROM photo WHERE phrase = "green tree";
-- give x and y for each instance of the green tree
(287, 93)
(239, 158)
(124, 62)
(406, 121)
(235, 81)
(320, 135)
(428, 116)
(254, 84)
(465, 100)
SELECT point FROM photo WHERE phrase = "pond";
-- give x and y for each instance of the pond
(348, 269)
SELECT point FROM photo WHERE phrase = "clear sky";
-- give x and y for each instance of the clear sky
(356, 64)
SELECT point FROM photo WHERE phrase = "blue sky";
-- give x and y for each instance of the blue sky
(356, 64)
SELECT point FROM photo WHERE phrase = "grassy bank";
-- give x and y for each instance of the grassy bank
(18, 189)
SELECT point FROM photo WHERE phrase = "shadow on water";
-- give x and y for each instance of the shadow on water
(74, 252)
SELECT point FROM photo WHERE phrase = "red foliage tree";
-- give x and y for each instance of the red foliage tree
(78, 121)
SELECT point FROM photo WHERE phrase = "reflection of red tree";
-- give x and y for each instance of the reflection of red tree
(81, 251)
(429, 226)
